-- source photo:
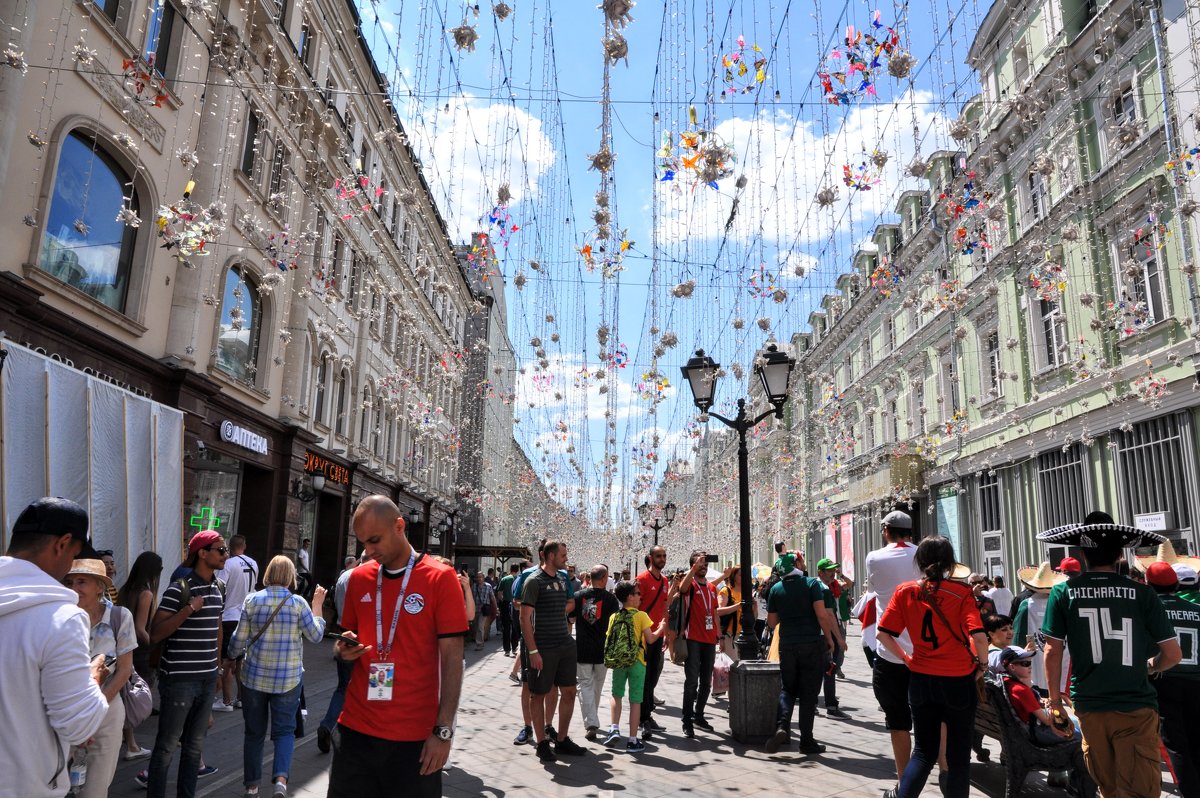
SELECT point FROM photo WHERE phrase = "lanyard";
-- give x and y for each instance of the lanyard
(707, 601)
(385, 650)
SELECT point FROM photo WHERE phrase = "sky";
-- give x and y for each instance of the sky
(720, 267)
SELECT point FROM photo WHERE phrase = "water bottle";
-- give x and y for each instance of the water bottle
(78, 768)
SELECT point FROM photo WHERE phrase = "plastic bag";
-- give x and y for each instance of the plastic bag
(720, 678)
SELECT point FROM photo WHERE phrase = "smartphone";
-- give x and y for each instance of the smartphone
(712, 558)
(347, 640)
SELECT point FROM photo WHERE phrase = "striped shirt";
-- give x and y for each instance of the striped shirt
(275, 663)
(191, 651)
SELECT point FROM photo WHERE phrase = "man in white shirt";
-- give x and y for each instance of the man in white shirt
(303, 568)
(51, 698)
(240, 576)
(887, 569)
(1001, 596)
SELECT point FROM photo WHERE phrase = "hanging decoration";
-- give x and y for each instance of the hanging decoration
(1127, 316)
(653, 386)
(761, 283)
(355, 195)
(701, 157)
(886, 277)
(863, 55)
(283, 249)
(1152, 235)
(618, 358)
(861, 176)
(1149, 389)
(744, 72)
(1085, 359)
(186, 228)
(464, 37)
(142, 83)
(15, 59)
(1183, 165)
(1048, 280)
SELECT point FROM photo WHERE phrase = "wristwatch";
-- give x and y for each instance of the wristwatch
(443, 733)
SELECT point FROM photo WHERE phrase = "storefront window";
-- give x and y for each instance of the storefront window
(215, 494)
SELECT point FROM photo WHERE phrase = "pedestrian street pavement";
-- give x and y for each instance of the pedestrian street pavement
(484, 762)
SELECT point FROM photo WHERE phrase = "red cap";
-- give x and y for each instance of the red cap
(202, 540)
(1161, 574)
(1070, 565)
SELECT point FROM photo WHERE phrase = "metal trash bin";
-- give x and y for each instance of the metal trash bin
(753, 700)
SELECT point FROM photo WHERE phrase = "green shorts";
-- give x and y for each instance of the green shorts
(636, 676)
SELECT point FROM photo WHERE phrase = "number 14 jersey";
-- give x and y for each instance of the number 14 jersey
(1113, 626)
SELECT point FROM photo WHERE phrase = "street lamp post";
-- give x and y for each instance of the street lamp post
(774, 368)
(652, 520)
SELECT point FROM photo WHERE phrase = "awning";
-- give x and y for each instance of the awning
(501, 553)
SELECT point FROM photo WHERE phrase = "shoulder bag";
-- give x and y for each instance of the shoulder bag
(254, 638)
(135, 694)
(930, 600)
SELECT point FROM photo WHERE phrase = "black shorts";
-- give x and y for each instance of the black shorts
(890, 683)
(558, 669)
(227, 630)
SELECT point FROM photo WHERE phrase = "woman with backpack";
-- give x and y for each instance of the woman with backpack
(629, 632)
(274, 621)
(112, 635)
(139, 595)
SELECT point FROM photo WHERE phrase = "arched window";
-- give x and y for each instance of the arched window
(319, 389)
(241, 325)
(377, 429)
(343, 382)
(364, 422)
(84, 244)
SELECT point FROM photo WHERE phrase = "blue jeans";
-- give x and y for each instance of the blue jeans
(338, 699)
(936, 700)
(800, 669)
(697, 678)
(185, 706)
(283, 708)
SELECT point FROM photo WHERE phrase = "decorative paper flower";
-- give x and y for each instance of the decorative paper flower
(602, 160)
(82, 53)
(861, 176)
(1048, 280)
(16, 59)
(502, 10)
(961, 129)
(901, 64)
(1183, 165)
(1149, 389)
(827, 196)
(464, 37)
(616, 48)
(126, 141)
(36, 140)
(744, 72)
(127, 217)
(684, 289)
(886, 278)
(617, 12)
(863, 55)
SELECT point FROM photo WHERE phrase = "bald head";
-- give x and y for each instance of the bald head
(381, 509)
(379, 527)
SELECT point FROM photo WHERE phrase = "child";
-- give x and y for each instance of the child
(627, 593)
(1018, 683)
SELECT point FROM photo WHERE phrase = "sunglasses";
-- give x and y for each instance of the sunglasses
(218, 550)
(1024, 663)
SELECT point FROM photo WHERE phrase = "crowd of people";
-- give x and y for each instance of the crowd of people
(1088, 653)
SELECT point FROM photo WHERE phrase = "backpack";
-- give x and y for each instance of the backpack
(621, 648)
(185, 589)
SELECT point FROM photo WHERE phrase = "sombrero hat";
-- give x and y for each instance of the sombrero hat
(1166, 553)
(960, 572)
(1041, 577)
(1100, 536)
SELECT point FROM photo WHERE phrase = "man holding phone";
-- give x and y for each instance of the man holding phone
(406, 612)
(700, 630)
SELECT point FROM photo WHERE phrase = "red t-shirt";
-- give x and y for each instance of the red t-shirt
(936, 651)
(703, 604)
(654, 595)
(1023, 699)
(433, 609)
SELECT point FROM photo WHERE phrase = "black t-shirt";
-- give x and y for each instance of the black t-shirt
(593, 608)
(548, 597)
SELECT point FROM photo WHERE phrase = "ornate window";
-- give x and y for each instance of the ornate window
(84, 244)
(319, 388)
(241, 325)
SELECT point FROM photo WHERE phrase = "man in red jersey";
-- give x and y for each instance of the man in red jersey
(654, 588)
(407, 612)
(700, 599)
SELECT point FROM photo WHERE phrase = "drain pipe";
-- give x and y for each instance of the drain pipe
(1169, 129)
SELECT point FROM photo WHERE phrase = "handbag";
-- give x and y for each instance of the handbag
(135, 694)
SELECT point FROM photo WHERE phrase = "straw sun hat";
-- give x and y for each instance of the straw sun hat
(1166, 553)
(1041, 577)
(94, 568)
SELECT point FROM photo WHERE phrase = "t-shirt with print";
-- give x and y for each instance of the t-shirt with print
(793, 599)
(547, 595)
(702, 613)
(937, 649)
(594, 608)
(1112, 625)
(1023, 699)
(240, 576)
(641, 622)
(519, 583)
(654, 591)
(1185, 617)
(191, 650)
(433, 609)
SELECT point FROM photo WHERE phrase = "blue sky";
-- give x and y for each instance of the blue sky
(523, 109)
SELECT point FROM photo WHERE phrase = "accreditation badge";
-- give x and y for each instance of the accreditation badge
(380, 679)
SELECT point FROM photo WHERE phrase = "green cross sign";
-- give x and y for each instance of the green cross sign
(206, 520)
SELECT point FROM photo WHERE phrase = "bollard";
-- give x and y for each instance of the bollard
(753, 700)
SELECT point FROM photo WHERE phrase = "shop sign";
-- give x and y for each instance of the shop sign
(240, 436)
(316, 464)
(1153, 522)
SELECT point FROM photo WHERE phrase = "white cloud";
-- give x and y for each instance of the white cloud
(787, 160)
(468, 148)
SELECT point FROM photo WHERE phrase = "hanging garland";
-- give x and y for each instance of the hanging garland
(743, 73)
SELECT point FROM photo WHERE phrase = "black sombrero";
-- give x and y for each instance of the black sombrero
(1100, 536)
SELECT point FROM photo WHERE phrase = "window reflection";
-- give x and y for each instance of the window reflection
(84, 245)
(241, 317)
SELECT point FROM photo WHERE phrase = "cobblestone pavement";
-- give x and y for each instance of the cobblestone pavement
(484, 762)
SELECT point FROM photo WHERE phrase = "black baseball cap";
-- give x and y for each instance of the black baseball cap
(54, 515)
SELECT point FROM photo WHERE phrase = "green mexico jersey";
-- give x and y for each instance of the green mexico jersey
(1185, 615)
(1112, 626)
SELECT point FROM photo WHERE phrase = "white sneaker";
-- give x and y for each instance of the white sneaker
(141, 753)
(221, 706)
